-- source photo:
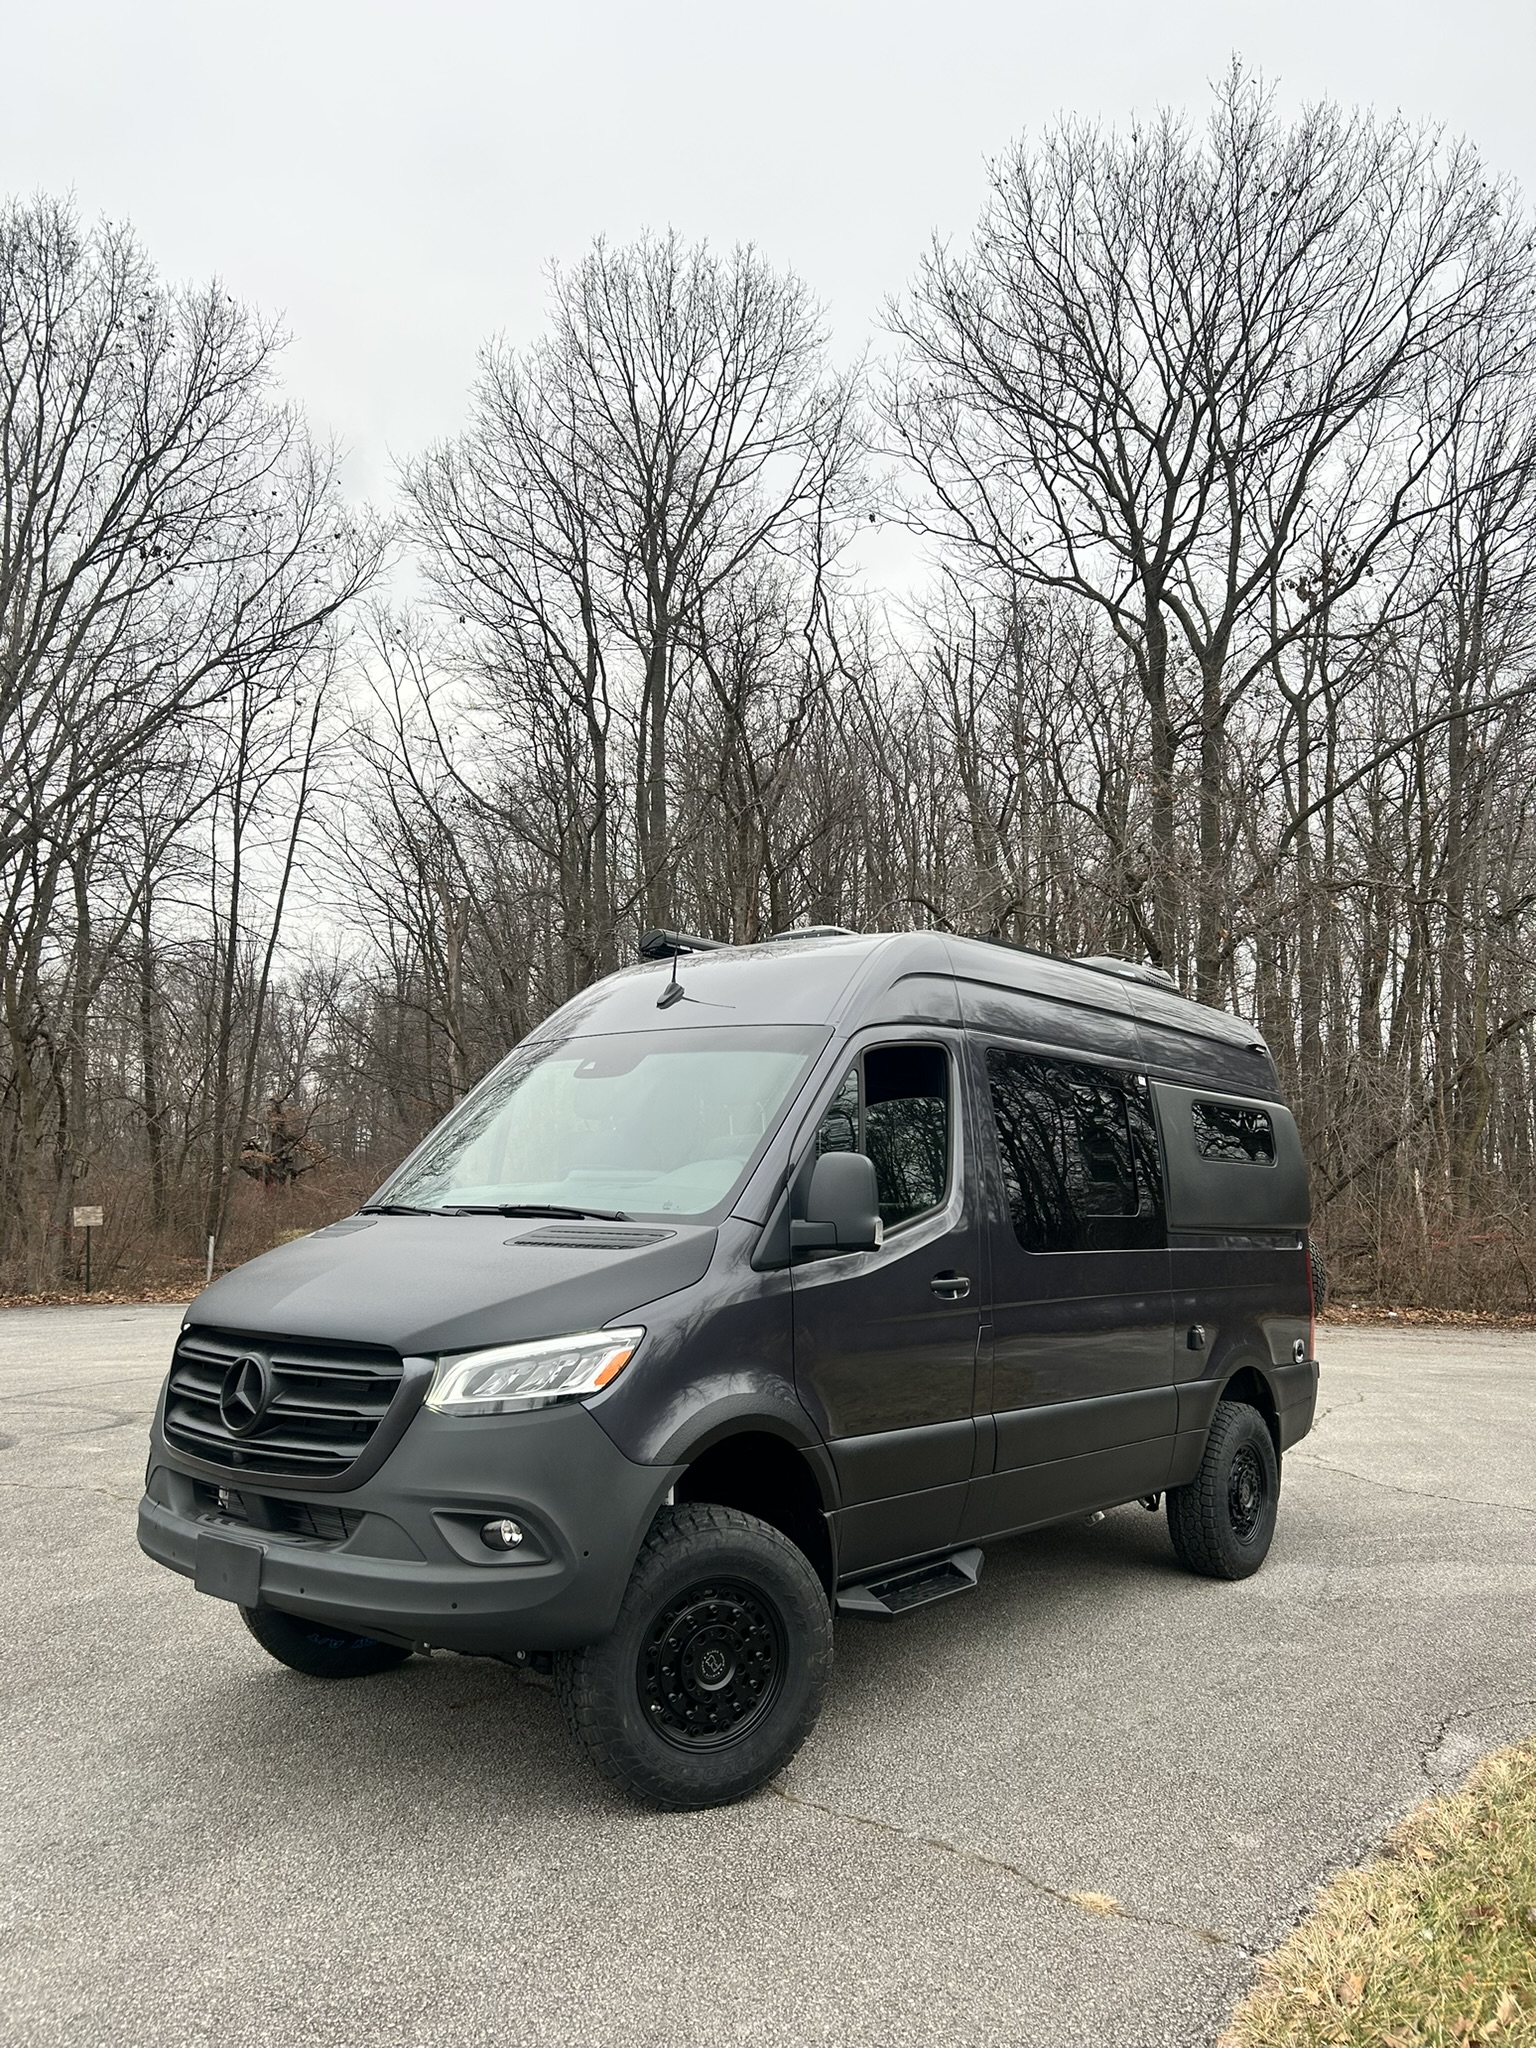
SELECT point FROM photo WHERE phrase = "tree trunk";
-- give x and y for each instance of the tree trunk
(149, 1061)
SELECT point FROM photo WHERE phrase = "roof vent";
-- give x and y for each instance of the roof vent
(1127, 970)
(815, 931)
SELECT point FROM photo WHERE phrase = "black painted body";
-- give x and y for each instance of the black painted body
(910, 1416)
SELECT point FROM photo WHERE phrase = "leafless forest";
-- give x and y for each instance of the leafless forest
(1221, 441)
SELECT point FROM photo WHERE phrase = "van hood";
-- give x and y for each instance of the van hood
(424, 1284)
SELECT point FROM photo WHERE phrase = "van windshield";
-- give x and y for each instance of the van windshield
(661, 1123)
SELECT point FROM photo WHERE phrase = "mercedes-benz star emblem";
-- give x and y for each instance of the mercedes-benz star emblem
(244, 1395)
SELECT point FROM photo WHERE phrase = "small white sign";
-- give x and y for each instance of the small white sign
(88, 1219)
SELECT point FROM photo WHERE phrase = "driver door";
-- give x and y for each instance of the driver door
(886, 1341)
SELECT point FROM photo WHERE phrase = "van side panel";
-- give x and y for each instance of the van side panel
(1008, 1503)
(1050, 1025)
(1250, 1306)
(1230, 1295)
(1230, 1195)
(879, 1532)
(1215, 1061)
(1184, 1038)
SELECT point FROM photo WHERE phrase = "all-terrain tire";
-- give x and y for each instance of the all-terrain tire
(1223, 1522)
(716, 1668)
(318, 1648)
(1319, 1278)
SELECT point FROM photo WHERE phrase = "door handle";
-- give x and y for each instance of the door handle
(951, 1286)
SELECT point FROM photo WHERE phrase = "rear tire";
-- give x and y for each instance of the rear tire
(319, 1649)
(1223, 1522)
(716, 1668)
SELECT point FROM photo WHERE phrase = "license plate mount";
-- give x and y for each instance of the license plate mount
(229, 1569)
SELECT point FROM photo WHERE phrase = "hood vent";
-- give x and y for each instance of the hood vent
(593, 1237)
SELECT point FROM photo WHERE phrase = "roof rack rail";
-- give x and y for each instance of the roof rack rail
(1009, 945)
(660, 945)
(1097, 963)
(1127, 970)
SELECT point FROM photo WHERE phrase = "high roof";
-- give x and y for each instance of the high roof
(812, 978)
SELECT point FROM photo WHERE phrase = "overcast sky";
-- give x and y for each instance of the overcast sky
(393, 178)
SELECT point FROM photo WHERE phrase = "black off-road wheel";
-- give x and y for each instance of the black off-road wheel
(318, 1648)
(716, 1669)
(1223, 1522)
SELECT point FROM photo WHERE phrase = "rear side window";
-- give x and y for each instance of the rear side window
(1232, 1131)
(1078, 1150)
(893, 1104)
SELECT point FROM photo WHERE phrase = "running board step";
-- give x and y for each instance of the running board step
(918, 1585)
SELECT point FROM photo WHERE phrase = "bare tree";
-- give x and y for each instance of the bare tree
(1204, 385)
(677, 424)
(1228, 442)
(168, 535)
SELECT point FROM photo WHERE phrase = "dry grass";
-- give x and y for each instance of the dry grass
(1431, 1945)
(135, 1260)
(1372, 1315)
(99, 1297)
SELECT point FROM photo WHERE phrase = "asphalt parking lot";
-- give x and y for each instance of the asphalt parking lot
(1066, 1809)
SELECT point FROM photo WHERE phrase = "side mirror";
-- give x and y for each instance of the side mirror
(842, 1206)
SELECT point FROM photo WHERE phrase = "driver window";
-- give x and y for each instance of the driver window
(893, 1105)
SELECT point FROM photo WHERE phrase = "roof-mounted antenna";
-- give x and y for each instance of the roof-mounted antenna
(658, 945)
(673, 992)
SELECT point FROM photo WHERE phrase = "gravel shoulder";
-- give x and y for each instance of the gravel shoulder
(1070, 1808)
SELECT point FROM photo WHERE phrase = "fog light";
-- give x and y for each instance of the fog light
(503, 1534)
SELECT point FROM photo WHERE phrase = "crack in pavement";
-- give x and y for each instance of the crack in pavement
(1355, 1401)
(1368, 1837)
(1097, 1904)
(1414, 1492)
(46, 1486)
(1359, 1844)
(60, 1436)
(1429, 1749)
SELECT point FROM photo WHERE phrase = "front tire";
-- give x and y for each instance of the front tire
(318, 1648)
(716, 1668)
(1223, 1522)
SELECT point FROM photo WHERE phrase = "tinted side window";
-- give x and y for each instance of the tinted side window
(893, 1104)
(838, 1130)
(906, 1127)
(1079, 1157)
(1226, 1130)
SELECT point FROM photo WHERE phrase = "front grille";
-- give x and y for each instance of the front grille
(323, 1402)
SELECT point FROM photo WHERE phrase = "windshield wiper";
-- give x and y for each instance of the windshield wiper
(395, 1209)
(533, 1209)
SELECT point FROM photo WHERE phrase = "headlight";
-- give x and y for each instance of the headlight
(516, 1376)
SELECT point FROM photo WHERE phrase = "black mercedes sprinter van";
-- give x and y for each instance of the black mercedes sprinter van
(758, 1282)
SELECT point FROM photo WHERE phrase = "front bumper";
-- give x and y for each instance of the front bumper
(410, 1566)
